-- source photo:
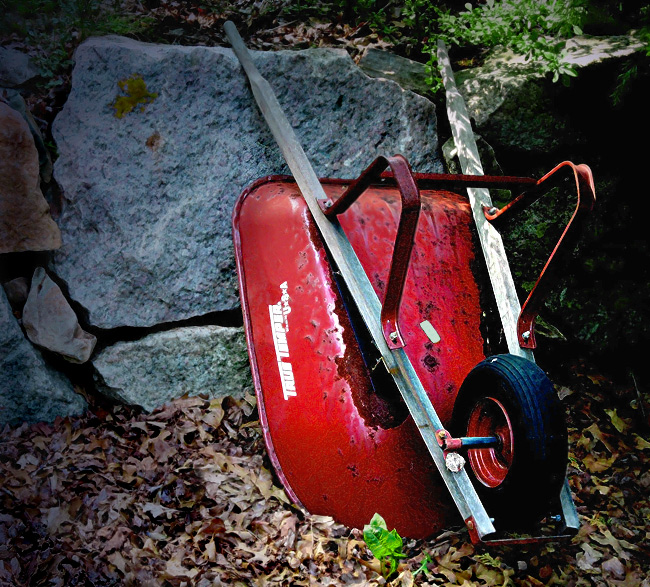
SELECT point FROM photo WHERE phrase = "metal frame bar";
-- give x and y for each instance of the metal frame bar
(408, 223)
(585, 191)
(491, 243)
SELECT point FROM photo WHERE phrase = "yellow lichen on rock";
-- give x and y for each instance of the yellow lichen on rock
(137, 94)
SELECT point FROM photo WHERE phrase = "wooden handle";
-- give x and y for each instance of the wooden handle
(240, 49)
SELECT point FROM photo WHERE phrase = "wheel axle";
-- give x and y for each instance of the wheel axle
(448, 442)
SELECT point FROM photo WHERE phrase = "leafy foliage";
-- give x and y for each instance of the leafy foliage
(423, 565)
(488, 560)
(537, 29)
(386, 546)
(53, 29)
(639, 67)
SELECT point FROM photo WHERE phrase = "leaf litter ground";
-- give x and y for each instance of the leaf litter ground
(185, 496)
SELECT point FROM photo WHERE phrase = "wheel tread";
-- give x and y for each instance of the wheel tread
(539, 436)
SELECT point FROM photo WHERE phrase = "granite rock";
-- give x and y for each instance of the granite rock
(30, 391)
(193, 360)
(51, 323)
(17, 290)
(149, 196)
(25, 220)
(15, 68)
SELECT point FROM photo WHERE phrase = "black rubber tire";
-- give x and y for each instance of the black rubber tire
(538, 464)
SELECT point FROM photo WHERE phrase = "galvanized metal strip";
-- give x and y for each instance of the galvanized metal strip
(368, 303)
(569, 511)
(495, 255)
(491, 243)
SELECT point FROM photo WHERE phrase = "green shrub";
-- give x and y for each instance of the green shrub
(639, 66)
(54, 29)
(537, 29)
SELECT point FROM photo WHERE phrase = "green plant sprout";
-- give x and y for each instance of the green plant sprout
(423, 566)
(385, 546)
(489, 561)
(136, 95)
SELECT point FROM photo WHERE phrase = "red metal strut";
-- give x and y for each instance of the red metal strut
(586, 199)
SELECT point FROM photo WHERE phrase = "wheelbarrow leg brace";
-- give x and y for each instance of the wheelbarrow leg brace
(515, 322)
(585, 190)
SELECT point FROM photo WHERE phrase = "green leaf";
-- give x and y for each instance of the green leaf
(375, 535)
(489, 561)
(393, 542)
(382, 543)
(377, 522)
(423, 566)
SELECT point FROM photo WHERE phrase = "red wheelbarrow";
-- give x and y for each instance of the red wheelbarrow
(367, 323)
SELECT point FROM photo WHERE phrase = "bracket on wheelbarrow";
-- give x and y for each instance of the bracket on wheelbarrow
(586, 199)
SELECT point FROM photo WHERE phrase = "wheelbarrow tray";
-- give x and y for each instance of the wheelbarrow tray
(338, 434)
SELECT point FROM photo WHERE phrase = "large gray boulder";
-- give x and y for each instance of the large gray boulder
(149, 196)
(30, 391)
(195, 360)
(16, 68)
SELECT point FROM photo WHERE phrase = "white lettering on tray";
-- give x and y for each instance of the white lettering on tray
(279, 327)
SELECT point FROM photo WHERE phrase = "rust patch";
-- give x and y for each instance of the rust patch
(375, 411)
(430, 363)
(154, 142)
(377, 404)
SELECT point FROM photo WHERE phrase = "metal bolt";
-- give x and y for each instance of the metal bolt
(393, 336)
(492, 211)
(328, 204)
(526, 335)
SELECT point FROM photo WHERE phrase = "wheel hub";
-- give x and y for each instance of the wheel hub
(491, 465)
